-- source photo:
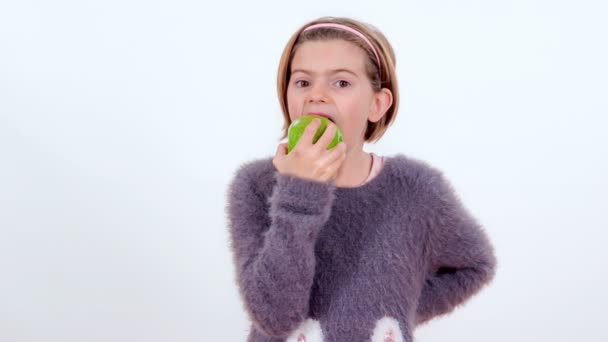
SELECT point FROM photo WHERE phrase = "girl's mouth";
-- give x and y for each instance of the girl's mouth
(323, 115)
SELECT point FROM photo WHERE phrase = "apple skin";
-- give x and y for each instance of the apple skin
(296, 129)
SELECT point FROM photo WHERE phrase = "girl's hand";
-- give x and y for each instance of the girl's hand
(312, 161)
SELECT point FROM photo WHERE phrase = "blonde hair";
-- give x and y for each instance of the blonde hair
(386, 78)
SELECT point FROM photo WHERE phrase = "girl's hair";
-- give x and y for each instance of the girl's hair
(383, 77)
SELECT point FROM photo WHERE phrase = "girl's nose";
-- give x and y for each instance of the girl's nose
(318, 93)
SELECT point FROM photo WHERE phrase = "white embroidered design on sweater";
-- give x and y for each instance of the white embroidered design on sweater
(308, 331)
(386, 330)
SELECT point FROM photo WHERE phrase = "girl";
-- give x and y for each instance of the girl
(340, 244)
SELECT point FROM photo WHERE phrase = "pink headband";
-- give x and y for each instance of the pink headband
(349, 29)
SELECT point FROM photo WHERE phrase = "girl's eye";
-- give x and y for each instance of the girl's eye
(301, 83)
(342, 83)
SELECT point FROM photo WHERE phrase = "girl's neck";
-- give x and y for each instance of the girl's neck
(355, 169)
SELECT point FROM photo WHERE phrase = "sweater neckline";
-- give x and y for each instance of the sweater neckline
(373, 183)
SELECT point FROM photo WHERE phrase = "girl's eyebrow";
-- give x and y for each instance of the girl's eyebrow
(329, 72)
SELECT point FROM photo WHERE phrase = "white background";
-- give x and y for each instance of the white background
(122, 122)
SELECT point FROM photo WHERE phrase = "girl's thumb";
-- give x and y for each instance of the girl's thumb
(282, 149)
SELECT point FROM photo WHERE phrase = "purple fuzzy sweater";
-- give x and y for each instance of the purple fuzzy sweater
(316, 262)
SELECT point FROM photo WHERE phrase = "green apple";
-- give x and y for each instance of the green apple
(296, 129)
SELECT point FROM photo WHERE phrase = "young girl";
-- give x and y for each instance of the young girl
(339, 244)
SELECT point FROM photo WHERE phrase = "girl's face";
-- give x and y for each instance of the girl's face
(329, 78)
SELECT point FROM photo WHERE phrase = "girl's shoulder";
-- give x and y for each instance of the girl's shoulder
(413, 171)
(398, 171)
(256, 175)
(425, 180)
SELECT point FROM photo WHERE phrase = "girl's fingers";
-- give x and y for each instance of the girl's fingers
(332, 170)
(327, 137)
(333, 154)
(333, 160)
(309, 132)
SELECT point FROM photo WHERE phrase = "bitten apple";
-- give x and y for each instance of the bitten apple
(296, 129)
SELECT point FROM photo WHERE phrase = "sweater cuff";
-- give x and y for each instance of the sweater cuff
(302, 195)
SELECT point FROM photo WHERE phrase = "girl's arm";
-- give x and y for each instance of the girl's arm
(273, 244)
(461, 257)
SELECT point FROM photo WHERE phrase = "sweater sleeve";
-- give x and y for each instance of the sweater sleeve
(272, 240)
(461, 257)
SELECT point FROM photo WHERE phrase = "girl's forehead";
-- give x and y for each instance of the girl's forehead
(330, 54)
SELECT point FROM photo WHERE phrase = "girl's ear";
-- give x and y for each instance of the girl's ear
(381, 102)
